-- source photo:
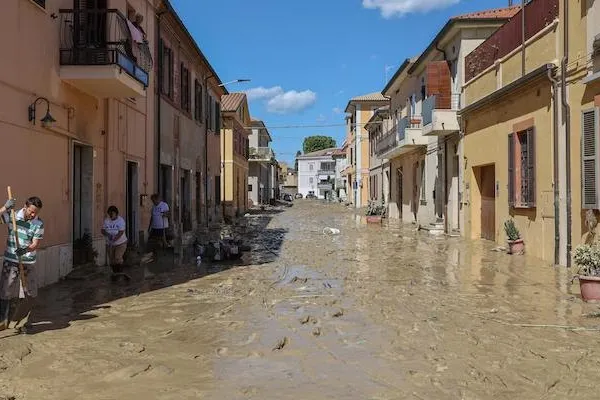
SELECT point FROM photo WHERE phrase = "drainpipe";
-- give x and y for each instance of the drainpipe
(567, 121)
(555, 100)
(159, 72)
(522, 37)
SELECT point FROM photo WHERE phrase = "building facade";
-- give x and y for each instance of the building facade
(359, 111)
(379, 169)
(234, 153)
(316, 173)
(262, 166)
(79, 117)
(189, 118)
(424, 143)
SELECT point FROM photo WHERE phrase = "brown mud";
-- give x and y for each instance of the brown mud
(376, 312)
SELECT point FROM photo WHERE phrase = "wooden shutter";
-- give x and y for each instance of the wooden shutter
(530, 167)
(161, 63)
(182, 85)
(589, 159)
(511, 169)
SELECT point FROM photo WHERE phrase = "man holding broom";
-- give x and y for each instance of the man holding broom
(20, 255)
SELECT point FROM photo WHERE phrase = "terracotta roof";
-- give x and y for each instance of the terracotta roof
(231, 102)
(376, 96)
(325, 152)
(500, 13)
(339, 152)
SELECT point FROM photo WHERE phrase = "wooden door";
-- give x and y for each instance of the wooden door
(488, 202)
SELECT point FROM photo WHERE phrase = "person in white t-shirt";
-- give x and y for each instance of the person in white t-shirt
(114, 231)
(159, 222)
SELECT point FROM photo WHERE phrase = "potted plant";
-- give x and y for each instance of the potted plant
(375, 212)
(515, 243)
(587, 258)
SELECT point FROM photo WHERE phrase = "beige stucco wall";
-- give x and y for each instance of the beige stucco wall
(486, 143)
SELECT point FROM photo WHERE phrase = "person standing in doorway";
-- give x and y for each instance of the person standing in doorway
(114, 231)
(30, 231)
(159, 220)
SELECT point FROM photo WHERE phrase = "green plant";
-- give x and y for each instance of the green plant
(512, 233)
(587, 257)
(375, 208)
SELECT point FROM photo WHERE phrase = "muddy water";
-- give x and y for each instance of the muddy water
(376, 312)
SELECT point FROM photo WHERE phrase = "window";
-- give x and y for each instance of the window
(217, 117)
(218, 189)
(197, 101)
(590, 157)
(423, 182)
(521, 169)
(41, 3)
(185, 88)
(311, 180)
(249, 187)
(166, 62)
(311, 167)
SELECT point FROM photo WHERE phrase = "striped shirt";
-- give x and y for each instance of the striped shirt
(28, 231)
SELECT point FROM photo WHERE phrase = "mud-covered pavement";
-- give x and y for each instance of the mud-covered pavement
(372, 313)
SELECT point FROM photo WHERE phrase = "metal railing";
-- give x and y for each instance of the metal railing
(326, 172)
(261, 153)
(387, 141)
(439, 102)
(103, 37)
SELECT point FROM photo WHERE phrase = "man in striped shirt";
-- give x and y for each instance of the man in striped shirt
(30, 231)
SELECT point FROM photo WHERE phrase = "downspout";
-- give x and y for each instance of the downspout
(159, 80)
(555, 84)
(567, 122)
(522, 37)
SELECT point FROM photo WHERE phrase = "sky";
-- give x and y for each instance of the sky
(307, 58)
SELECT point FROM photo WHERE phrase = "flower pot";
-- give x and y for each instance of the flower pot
(373, 219)
(516, 246)
(590, 287)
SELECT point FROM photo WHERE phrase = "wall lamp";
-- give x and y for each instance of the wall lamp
(48, 119)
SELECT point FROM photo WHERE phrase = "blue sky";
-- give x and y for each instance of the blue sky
(307, 58)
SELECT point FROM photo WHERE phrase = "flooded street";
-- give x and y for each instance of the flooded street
(375, 312)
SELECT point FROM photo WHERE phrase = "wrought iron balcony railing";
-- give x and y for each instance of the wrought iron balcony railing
(261, 153)
(103, 37)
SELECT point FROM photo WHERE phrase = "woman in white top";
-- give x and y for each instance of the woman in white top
(114, 231)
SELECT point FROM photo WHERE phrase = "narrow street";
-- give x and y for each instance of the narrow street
(375, 312)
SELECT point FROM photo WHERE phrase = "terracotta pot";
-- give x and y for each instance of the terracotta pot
(373, 219)
(590, 287)
(516, 246)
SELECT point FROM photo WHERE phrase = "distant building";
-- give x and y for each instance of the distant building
(316, 173)
(262, 166)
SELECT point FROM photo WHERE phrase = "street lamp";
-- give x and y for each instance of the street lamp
(234, 81)
(206, 139)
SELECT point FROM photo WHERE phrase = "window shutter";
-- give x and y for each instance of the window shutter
(589, 157)
(218, 118)
(531, 168)
(182, 85)
(161, 64)
(511, 169)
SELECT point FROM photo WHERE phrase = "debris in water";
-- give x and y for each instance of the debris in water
(316, 331)
(493, 310)
(327, 285)
(338, 313)
(281, 343)
(499, 249)
(331, 231)
(305, 320)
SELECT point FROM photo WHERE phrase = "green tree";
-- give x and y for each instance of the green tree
(298, 153)
(316, 143)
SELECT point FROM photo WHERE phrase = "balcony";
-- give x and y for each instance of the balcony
(403, 138)
(99, 56)
(439, 114)
(326, 172)
(261, 154)
(325, 186)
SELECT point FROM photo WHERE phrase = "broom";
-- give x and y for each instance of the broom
(23, 283)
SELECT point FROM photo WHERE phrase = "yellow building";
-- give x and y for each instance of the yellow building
(359, 111)
(234, 153)
(523, 128)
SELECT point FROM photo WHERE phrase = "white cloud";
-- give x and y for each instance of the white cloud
(291, 101)
(390, 8)
(337, 110)
(260, 93)
(321, 118)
